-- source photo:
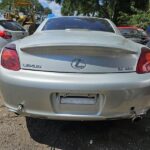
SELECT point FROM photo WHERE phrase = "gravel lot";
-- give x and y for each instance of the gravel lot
(18, 133)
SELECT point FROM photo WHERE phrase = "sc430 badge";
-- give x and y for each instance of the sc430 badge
(125, 68)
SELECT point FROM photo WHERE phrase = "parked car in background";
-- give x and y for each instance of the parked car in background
(76, 68)
(10, 31)
(144, 36)
(135, 34)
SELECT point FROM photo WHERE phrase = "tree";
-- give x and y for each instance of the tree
(84, 7)
(9, 4)
(47, 11)
(6, 4)
(110, 8)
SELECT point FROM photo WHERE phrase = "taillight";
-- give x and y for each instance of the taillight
(5, 34)
(143, 65)
(9, 58)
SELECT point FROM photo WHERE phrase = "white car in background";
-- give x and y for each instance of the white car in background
(10, 31)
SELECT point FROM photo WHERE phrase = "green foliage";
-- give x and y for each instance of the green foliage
(38, 6)
(5, 4)
(8, 4)
(47, 11)
(140, 19)
(122, 12)
(84, 7)
(132, 12)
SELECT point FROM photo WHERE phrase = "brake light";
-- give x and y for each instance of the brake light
(143, 65)
(9, 58)
(5, 34)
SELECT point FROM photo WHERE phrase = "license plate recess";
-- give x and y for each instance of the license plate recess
(78, 99)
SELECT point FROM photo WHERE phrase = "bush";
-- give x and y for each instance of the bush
(140, 19)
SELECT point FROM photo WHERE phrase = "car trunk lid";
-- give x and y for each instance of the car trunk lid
(85, 52)
(18, 34)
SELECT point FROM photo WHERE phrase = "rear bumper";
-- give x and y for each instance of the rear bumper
(37, 91)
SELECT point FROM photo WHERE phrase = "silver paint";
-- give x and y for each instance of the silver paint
(109, 76)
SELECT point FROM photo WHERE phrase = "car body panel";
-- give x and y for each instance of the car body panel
(140, 36)
(18, 34)
(3, 42)
(118, 94)
(15, 35)
(68, 46)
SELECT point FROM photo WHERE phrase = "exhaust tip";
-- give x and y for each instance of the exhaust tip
(136, 119)
(19, 109)
(17, 114)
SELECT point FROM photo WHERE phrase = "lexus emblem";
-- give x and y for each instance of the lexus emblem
(78, 63)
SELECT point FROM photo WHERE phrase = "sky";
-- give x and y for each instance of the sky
(56, 8)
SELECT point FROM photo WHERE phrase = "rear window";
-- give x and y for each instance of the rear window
(11, 25)
(64, 23)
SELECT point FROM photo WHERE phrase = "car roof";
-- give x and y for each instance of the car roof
(3, 19)
(128, 27)
(75, 17)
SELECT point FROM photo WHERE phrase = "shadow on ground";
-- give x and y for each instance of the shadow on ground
(110, 135)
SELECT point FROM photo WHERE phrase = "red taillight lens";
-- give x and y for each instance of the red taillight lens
(5, 35)
(10, 59)
(143, 65)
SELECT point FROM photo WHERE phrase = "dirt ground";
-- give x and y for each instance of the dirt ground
(19, 133)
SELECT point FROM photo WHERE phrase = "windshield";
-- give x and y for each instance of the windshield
(11, 25)
(64, 23)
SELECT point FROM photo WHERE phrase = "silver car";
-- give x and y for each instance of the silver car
(76, 68)
(10, 31)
